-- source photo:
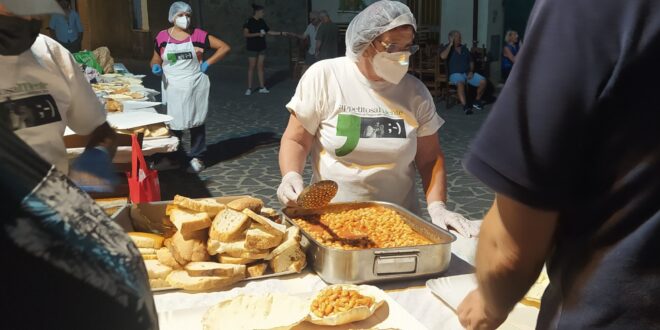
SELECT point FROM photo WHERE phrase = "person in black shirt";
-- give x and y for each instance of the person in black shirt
(254, 31)
(576, 168)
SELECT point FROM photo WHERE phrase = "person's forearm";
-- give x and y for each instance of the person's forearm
(219, 54)
(510, 257)
(434, 179)
(275, 33)
(293, 156)
(445, 53)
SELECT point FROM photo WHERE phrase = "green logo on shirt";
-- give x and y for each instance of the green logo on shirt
(348, 126)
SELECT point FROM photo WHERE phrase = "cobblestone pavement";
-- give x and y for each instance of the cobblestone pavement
(243, 140)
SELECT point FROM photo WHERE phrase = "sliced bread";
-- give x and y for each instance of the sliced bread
(187, 222)
(180, 279)
(156, 269)
(229, 225)
(257, 237)
(191, 249)
(254, 204)
(165, 257)
(257, 270)
(237, 246)
(291, 239)
(144, 251)
(158, 283)
(146, 240)
(268, 225)
(202, 268)
(292, 259)
(225, 259)
(255, 255)
(149, 257)
(208, 205)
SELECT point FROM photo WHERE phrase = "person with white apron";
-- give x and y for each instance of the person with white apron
(178, 57)
(367, 125)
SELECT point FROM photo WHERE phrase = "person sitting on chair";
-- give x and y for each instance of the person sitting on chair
(460, 67)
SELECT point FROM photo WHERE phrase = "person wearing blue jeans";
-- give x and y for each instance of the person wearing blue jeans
(460, 67)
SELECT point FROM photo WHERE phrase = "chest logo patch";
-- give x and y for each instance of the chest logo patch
(355, 128)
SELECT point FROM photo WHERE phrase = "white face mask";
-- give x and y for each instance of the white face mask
(392, 67)
(182, 22)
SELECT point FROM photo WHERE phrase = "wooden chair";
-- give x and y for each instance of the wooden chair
(426, 67)
(449, 92)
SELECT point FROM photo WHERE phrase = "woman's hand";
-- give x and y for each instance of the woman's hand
(290, 188)
(444, 219)
(156, 69)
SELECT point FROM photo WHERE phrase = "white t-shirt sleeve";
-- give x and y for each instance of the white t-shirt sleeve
(307, 104)
(308, 31)
(85, 112)
(428, 119)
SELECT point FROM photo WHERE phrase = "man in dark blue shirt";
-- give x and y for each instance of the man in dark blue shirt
(576, 169)
(460, 67)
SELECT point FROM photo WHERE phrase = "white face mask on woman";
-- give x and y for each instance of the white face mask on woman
(182, 22)
(392, 67)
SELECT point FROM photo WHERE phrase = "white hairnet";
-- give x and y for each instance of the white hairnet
(179, 7)
(373, 21)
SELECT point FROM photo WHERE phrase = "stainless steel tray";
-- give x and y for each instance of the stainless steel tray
(335, 265)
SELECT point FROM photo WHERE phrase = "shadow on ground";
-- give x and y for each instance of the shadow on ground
(236, 147)
(182, 183)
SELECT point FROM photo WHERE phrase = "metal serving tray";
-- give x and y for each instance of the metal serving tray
(336, 266)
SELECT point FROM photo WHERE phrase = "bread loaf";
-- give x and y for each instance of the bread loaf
(192, 249)
(229, 225)
(208, 205)
(155, 269)
(187, 222)
(258, 237)
(165, 257)
(268, 225)
(251, 203)
(202, 268)
(180, 279)
(146, 240)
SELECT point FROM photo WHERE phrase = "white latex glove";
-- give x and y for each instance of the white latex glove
(292, 185)
(444, 218)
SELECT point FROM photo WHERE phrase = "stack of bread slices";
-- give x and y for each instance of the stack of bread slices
(216, 245)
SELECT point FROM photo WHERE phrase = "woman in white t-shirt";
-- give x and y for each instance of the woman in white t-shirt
(366, 124)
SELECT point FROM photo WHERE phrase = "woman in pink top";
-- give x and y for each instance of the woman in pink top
(179, 59)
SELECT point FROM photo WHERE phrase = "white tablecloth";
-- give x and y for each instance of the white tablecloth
(412, 295)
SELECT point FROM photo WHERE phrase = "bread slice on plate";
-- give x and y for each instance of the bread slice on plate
(291, 239)
(201, 268)
(257, 237)
(292, 259)
(146, 240)
(225, 259)
(158, 283)
(155, 269)
(254, 204)
(181, 280)
(166, 258)
(208, 205)
(192, 249)
(187, 222)
(229, 225)
(257, 270)
(268, 225)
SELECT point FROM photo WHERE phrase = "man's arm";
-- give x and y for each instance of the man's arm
(514, 243)
(104, 136)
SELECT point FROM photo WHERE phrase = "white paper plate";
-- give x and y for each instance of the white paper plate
(453, 289)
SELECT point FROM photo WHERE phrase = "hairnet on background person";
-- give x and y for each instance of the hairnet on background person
(373, 21)
(179, 7)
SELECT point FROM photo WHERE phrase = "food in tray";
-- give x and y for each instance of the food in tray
(382, 228)
(270, 311)
(114, 106)
(332, 306)
(214, 246)
(343, 304)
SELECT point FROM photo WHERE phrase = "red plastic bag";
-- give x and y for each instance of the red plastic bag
(143, 182)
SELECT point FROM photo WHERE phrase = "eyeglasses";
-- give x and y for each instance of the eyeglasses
(394, 48)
